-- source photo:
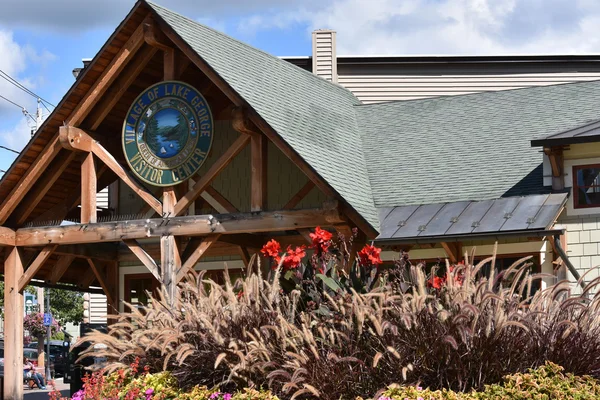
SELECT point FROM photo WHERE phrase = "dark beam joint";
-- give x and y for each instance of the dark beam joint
(156, 38)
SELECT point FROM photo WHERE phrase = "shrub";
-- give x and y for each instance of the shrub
(311, 330)
(546, 382)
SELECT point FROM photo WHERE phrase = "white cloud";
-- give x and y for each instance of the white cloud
(446, 26)
(16, 137)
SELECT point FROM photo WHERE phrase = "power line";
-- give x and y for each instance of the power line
(9, 149)
(20, 106)
(16, 83)
(12, 102)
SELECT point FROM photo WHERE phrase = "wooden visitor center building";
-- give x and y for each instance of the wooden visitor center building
(209, 148)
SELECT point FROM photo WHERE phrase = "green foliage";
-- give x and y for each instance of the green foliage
(548, 382)
(66, 305)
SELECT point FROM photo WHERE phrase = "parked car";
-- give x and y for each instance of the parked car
(58, 355)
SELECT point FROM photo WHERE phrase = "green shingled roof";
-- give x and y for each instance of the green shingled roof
(315, 117)
(470, 147)
(439, 150)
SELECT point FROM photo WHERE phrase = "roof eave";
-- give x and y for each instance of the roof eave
(549, 142)
(472, 236)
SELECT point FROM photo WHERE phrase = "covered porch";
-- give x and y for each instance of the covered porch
(259, 179)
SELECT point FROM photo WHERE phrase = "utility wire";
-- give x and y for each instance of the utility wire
(16, 83)
(9, 149)
(12, 102)
(21, 107)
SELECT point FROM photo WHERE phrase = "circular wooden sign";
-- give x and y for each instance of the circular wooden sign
(167, 133)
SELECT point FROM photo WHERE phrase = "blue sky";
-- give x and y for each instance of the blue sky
(42, 41)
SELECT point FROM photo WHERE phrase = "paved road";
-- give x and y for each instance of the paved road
(37, 394)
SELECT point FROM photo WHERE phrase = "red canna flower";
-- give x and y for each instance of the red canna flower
(436, 282)
(321, 240)
(272, 249)
(293, 258)
(369, 255)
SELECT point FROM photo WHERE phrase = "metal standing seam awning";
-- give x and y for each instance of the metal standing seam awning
(529, 216)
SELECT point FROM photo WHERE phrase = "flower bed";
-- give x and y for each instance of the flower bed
(317, 327)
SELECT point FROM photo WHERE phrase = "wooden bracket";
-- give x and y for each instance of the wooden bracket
(241, 122)
(211, 174)
(198, 251)
(102, 281)
(61, 266)
(155, 37)
(36, 265)
(218, 201)
(144, 257)
(301, 194)
(453, 251)
(78, 139)
(556, 157)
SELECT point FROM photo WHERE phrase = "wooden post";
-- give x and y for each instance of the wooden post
(169, 254)
(88, 190)
(13, 326)
(112, 280)
(258, 150)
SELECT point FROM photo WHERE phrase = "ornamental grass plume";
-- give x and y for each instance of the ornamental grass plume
(317, 336)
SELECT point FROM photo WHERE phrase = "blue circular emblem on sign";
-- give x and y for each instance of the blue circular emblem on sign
(167, 133)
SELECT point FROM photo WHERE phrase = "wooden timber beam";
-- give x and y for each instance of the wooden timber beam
(144, 257)
(118, 89)
(193, 225)
(264, 127)
(453, 251)
(7, 236)
(36, 265)
(301, 194)
(79, 140)
(33, 198)
(13, 325)
(111, 72)
(211, 174)
(102, 281)
(88, 190)
(195, 256)
(218, 201)
(86, 280)
(245, 254)
(31, 176)
(61, 266)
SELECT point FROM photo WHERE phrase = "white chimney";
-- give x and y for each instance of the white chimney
(323, 54)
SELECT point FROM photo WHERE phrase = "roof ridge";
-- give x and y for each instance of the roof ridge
(279, 59)
(487, 92)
